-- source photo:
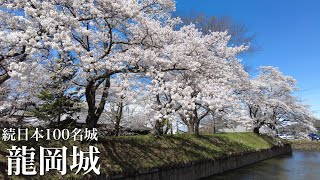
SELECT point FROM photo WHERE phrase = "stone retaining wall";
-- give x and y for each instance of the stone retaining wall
(208, 168)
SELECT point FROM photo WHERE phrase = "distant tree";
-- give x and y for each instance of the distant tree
(4, 91)
(19, 93)
(271, 103)
(123, 93)
(209, 86)
(57, 98)
(239, 33)
(54, 106)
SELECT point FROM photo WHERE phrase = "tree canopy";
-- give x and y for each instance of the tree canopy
(105, 50)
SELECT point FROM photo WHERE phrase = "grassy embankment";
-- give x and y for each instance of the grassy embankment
(129, 154)
(305, 145)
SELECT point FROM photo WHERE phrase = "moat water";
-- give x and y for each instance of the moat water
(301, 165)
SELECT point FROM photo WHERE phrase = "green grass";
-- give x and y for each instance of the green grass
(305, 145)
(130, 154)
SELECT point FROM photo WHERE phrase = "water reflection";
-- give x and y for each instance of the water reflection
(301, 165)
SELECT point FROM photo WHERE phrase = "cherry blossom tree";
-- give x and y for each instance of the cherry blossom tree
(99, 38)
(12, 31)
(271, 103)
(208, 86)
(104, 43)
(124, 95)
(21, 91)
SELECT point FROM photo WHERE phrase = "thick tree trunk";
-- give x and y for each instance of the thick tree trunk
(94, 112)
(91, 101)
(191, 129)
(196, 120)
(118, 118)
(117, 127)
(196, 128)
(158, 128)
(256, 130)
(91, 121)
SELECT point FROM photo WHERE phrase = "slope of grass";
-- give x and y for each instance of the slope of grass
(130, 154)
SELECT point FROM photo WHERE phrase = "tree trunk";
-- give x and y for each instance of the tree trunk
(117, 127)
(191, 129)
(59, 114)
(91, 121)
(118, 118)
(177, 127)
(3, 78)
(94, 112)
(196, 121)
(167, 124)
(158, 128)
(59, 119)
(196, 128)
(256, 130)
